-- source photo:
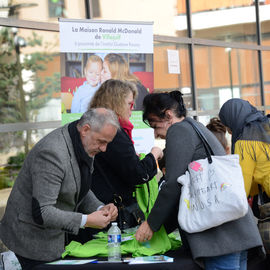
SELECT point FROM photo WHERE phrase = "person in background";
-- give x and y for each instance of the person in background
(116, 67)
(250, 131)
(120, 169)
(222, 247)
(85, 92)
(53, 182)
(219, 130)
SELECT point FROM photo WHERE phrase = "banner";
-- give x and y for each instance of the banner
(102, 36)
(90, 51)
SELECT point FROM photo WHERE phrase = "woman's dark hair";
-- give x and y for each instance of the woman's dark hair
(219, 130)
(157, 104)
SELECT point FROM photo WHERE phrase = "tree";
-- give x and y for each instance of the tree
(17, 104)
(8, 72)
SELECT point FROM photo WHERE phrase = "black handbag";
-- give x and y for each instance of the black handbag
(128, 216)
(264, 221)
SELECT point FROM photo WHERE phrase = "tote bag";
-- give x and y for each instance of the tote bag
(212, 191)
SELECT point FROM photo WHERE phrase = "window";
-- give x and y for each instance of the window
(224, 73)
(56, 8)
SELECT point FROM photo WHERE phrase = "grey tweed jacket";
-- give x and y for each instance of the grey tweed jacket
(50, 177)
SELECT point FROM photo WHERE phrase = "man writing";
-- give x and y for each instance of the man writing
(53, 183)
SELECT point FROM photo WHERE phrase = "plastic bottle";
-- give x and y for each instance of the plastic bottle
(114, 243)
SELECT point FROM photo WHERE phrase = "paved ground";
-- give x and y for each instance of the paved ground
(4, 193)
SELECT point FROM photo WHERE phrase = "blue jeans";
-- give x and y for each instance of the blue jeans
(233, 261)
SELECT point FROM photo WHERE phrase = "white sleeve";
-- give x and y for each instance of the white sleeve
(83, 222)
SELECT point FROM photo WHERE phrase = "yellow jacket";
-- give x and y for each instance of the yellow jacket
(254, 159)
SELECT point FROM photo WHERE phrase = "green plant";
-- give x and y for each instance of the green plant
(16, 161)
(9, 173)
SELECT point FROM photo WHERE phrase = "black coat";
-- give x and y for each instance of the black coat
(119, 170)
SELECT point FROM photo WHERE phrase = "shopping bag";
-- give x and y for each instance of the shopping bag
(212, 191)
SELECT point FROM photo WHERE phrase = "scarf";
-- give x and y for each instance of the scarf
(245, 121)
(84, 161)
(127, 126)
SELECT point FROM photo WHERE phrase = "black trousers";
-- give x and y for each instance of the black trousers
(27, 264)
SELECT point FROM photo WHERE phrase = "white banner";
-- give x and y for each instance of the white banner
(86, 47)
(82, 36)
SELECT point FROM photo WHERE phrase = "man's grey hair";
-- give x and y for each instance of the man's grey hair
(99, 117)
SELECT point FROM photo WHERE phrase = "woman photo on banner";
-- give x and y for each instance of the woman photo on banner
(115, 66)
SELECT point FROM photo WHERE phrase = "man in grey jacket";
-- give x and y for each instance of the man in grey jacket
(52, 195)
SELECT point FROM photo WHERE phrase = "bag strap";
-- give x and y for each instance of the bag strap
(206, 145)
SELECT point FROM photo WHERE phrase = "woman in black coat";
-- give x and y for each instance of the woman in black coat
(118, 170)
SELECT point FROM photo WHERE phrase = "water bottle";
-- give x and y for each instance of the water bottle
(114, 243)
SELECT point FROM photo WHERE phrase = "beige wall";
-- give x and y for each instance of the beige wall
(74, 8)
(161, 12)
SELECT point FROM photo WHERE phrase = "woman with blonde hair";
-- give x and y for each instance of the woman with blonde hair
(116, 67)
(119, 169)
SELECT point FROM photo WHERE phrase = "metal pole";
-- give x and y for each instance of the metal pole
(88, 9)
(230, 71)
(22, 94)
(259, 41)
(191, 57)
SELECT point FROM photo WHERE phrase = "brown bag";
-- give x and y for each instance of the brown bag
(264, 222)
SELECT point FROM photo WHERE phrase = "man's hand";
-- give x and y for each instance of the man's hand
(144, 233)
(111, 209)
(98, 219)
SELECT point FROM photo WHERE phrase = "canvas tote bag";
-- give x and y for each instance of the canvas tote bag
(212, 191)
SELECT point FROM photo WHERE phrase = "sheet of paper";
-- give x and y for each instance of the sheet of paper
(71, 262)
(173, 62)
